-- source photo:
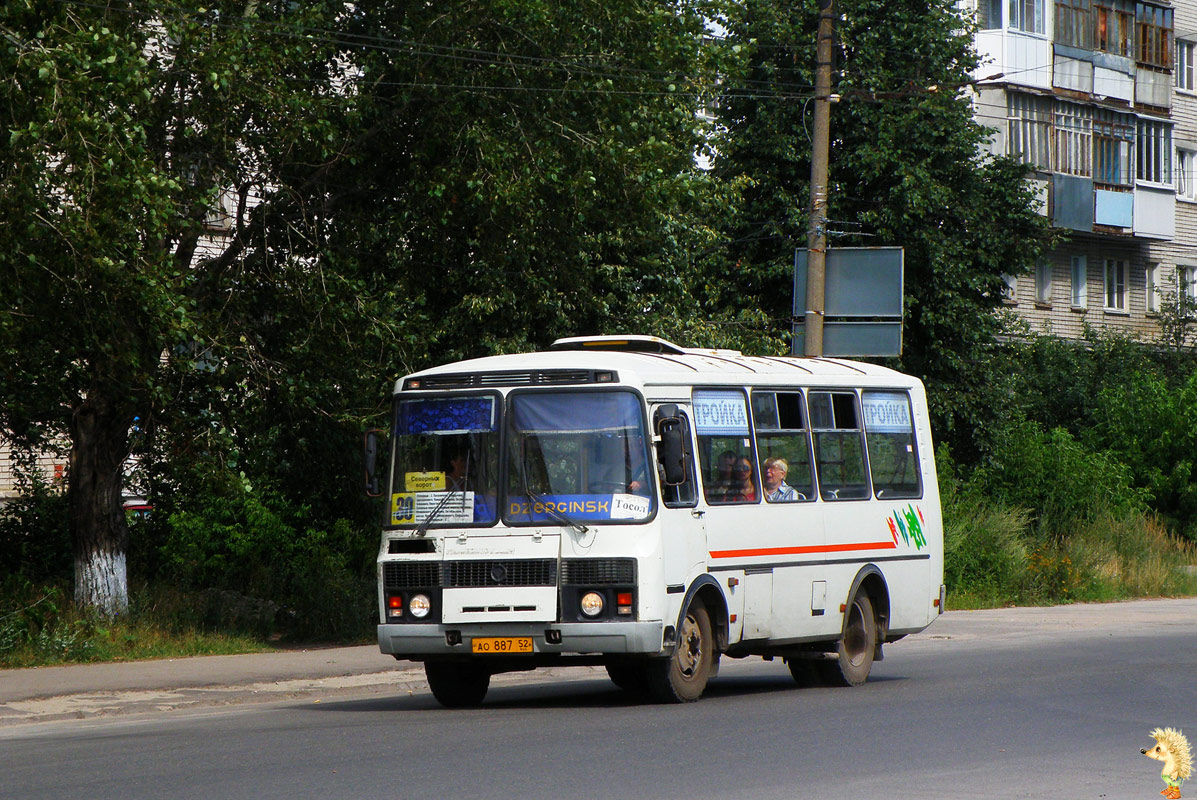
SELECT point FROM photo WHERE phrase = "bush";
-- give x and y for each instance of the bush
(1149, 425)
(1061, 481)
(984, 551)
(264, 565)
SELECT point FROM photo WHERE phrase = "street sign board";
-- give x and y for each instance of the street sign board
(862, 312)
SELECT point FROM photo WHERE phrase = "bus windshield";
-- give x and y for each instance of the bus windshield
(446, 461)
(577, 456)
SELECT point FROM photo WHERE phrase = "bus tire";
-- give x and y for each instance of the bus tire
(682, 678)
(854, 651)
(629, 677)
(457, 685)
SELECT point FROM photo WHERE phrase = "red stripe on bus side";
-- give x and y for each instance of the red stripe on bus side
(792, 551)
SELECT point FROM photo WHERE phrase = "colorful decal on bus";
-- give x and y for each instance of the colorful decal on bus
(908, 522)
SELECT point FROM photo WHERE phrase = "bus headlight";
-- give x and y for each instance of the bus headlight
(419, 605)
(592, 604)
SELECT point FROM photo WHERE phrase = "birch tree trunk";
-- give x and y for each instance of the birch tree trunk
(99, 531)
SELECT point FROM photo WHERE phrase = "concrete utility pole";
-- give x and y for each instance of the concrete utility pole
(820, 154)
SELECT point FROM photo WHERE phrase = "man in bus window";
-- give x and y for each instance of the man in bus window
(721, 484)
(776, 488)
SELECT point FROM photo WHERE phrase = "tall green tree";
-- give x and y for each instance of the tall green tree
(908, 168)
(122, 125)
(409, 183)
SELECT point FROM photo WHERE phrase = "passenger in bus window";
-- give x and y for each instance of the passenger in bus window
(743, 487)
(637, 467)
(455, 476)
(776, 488)
(722, 483)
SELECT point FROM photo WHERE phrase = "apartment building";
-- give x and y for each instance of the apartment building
(1098, 98)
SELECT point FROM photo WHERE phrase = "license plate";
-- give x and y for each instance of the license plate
(498, 645)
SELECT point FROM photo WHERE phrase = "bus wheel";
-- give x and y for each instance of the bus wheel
(457, 685)
(629, 677)
(683, 677)
(854, 652)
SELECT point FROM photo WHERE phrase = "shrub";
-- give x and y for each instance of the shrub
(984, 552)
(1059, 479)
(1148, 425)
(265, 565)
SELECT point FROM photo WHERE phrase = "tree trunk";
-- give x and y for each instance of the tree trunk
(99, 532)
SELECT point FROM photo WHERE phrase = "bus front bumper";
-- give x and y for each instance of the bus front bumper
(582, 638)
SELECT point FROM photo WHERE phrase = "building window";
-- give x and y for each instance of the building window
(1114, 24)
(1154, 153)
(1153, 288)
(1186, 286)
(1154, 35)
(1009, 288)
(989, 14)
(1080, 282)
(1028, 15)
(1074, 139)
(1186, 174)
(1184, 65)
(1043, 282)
(1029, 121)
(1115, 285)
(1074, 23)
(1113, 136)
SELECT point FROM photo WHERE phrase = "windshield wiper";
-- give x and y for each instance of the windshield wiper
(557, 516)
(422, 529)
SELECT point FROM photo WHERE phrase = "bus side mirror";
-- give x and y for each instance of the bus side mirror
(373, 481)
(671, 453)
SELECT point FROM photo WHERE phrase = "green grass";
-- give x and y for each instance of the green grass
(39, 626)
(995, 559)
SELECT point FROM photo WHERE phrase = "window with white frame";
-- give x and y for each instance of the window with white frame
(1113, 137)
(1186, 284)
(1009, 288)
(1154, 151)
(1080, 282)
(1074, 23)
(1186, 174)
(1043, 282)
(1153, 35)
(1028, 15)
(1184, 65)
(989, 14)
(1115, 285)
(1074, 139)
(1029, 123)
(1152, 297)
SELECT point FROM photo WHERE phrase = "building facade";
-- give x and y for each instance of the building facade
(1098, 98)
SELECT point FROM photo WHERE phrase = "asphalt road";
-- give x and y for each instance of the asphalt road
(1004, 704)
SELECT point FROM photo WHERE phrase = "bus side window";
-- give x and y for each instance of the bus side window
(684, 494)
(783, 447)
(839, 446)
(729, 474)
(889, 433)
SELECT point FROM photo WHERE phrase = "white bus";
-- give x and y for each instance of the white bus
(625, 502)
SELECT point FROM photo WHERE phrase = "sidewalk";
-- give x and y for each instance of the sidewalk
(81, 691)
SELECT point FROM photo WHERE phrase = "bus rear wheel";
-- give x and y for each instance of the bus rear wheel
(682, 678)
(457, 685)
(854, 652)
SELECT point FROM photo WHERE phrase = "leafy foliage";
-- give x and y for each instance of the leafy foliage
(906, 170)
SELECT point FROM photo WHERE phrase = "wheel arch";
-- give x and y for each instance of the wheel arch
(872, 582)
(708, 590)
